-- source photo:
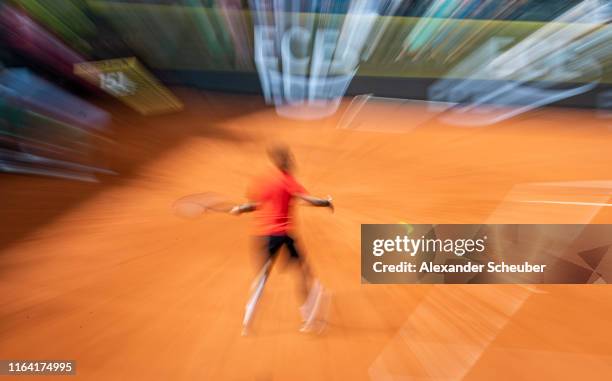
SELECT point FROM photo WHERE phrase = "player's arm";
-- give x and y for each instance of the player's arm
(316, 201)
(247, 207)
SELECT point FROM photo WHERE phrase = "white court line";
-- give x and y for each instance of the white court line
(567, 203)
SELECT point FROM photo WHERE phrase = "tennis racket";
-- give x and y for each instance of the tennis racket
(194, 205)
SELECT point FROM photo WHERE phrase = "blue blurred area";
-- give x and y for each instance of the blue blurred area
(47, 131)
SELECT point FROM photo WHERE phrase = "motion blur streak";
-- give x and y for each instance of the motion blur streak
(464, 340)
(434, 29)
(25, 36)
(309, 83)
(573, 49)
(47, 131)
(237, 24)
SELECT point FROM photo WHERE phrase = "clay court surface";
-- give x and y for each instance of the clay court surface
(106, 275)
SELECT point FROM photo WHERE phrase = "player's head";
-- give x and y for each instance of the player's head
(281, 157)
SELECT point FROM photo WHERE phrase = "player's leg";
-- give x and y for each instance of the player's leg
(310, 288)
(271, 245)
(306, 279)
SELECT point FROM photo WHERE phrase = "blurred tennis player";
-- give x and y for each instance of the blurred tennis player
(272, 198)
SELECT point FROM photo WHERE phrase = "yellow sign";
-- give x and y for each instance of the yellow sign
(128, 81)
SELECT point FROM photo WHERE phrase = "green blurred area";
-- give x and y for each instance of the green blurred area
(171, 37)
(197, 38)
(66, 18)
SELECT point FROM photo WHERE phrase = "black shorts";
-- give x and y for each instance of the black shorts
(274, 242)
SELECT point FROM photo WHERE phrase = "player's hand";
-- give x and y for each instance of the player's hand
(330, 204)
(235, 210)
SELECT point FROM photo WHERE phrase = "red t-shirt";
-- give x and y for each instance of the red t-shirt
(274, 194)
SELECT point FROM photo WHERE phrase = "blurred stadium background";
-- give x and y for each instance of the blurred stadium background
(448, 111)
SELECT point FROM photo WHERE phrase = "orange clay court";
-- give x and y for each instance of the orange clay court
(106, 275)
